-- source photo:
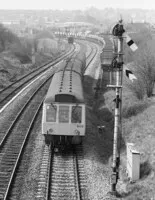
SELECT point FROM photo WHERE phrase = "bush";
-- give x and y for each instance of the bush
(44, 34)
(109, 96)
(105, 115)
(133, 109)
(21, 52)
(6, 38)
(22, 57)
(137, 88)
(144, 69)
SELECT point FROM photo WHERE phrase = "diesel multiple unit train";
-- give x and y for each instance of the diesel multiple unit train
(89, 37)
(63, 119)
(70, 40)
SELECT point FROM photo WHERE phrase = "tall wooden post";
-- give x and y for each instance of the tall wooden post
(120, 53)
(33, 50)
(118, 65)
(33, 55)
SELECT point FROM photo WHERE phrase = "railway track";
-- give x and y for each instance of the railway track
(62, 175)
(91, 55)
(13, 115)
(14, 135)
(64, 182)
(10, 91)
(14, 140)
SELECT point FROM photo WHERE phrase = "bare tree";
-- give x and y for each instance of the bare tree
(145, 66)
(137, 87)
(7, 37)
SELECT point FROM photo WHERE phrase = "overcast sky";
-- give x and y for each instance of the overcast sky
(75, 4)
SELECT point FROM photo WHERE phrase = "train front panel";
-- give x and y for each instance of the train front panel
(64, 119)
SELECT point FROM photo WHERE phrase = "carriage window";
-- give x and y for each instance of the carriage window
(64, 114)
(51, 113)
(76, 114)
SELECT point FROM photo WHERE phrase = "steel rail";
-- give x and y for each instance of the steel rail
(29, 130)
(91, 58)
(21, 152)
(75, 157)
(49, 174)
(79, 197)
(71, 173)
(20, 112)
(27, 134)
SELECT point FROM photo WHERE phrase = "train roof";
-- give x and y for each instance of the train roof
(65, 83)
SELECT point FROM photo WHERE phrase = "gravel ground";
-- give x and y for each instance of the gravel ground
(27, 174)
(30, 183)
(96, 150)
(98, 146)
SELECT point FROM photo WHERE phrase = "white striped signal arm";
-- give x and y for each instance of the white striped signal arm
(129, 73)
(130, 42)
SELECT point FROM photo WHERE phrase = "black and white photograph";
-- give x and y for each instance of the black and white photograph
(77, 100)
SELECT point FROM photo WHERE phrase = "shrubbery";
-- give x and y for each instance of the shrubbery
(9, 41)
(21, 52)
(6, 38)
(143, 64)
(133, 109)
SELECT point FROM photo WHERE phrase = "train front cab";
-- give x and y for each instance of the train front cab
(70, 40)
(63, 121)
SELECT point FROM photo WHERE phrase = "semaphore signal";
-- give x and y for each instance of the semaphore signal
(118, 64)
(129, 74)
(130, 42)
(119, 31)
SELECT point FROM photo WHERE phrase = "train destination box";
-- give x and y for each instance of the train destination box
(133, 162)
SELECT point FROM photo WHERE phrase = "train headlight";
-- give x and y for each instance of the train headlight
(77, 132)
(50, 131)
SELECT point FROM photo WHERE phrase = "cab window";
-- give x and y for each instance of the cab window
(76, 114)
(64, 114)
(51, 113)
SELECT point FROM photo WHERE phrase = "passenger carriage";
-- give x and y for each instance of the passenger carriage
(63, 118)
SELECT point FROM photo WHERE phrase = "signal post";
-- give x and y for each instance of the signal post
(117, 65)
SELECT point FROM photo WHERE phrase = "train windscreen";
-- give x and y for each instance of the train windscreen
(51, 111)
(64, 114)
(76, 114)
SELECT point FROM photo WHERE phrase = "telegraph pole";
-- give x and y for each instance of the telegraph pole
(33, 49)
(117, 64)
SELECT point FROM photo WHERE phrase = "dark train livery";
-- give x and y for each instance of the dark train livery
(107, 54)
(70, 40)
(64, 115)
(89, 37)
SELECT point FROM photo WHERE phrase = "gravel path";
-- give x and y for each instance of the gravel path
(96, 157)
